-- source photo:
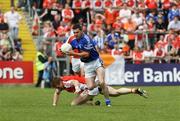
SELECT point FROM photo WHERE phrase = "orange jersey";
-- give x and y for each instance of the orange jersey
(80, 79)
(68, 86)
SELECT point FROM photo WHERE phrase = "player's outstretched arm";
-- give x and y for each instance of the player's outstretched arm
(56, 96)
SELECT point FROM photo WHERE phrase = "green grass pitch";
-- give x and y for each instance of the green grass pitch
(28, 103)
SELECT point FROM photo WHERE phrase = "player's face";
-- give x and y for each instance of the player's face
(77, 33)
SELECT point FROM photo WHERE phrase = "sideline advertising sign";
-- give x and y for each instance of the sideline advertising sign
(145, 75)
(19, 72)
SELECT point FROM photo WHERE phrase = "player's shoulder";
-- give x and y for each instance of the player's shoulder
(71, 38)
(86, 38)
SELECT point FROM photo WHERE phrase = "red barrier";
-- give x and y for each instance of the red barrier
(16, 72)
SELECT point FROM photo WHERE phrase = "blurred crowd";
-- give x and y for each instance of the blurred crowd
(10, 44)
(140, 30)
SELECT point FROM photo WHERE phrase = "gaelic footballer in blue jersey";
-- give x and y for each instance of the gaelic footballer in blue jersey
(93, 65)
(75, 60)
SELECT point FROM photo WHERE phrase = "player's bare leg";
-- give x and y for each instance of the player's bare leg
(81, 99)
(91, 83)
(122, 91)
(101, 76)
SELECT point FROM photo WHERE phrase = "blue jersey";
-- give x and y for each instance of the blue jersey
(74, 43)
(85, 43)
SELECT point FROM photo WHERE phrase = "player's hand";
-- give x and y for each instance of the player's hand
(71, 52)
(62, 52)
(77, 90)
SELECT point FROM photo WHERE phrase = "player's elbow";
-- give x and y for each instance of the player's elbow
(84, 54)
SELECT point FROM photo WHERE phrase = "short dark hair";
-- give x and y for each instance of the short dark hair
(77, 26)
(55, 82)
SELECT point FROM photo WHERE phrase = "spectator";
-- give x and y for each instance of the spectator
(49, 72)
(47, 4)
(125, 13)
(110, 16)
(99, 20)
(58, 54)
(99, 40)
(6, 53)
(61, 33)
(124, 36)
(160, 42)
(171, 51)
(3, 26)
(138, 17)
(86, 10)
(174, 24)
(151, 4)
(117, 52)
(41, 59)
(160, 14)
(130, 27)
(130, 3)
(151, 35)
(91, 28)
(138, 57)
(37, 5)
(117, 25)
(50, 10)
(48, 33)
(140, 4)
(159, 54)
(76, 6)
(5, 42)
(169, 35)
(67, 14)
(174, 11)
(56, 22)
(97, 6)
(148, 55)
(56, 48)
(112, 39)
(107, 4)
(118, 3)
(152, 15)
(140, 37)
(18, 45)
(13, 18)
(166, 4)
(160, 27)
(70, 2)
(16, 56)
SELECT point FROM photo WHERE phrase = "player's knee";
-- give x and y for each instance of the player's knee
(102, 84)
(90, 87)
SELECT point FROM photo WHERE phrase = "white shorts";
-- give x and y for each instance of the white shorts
(76, 64)
(91, 67)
